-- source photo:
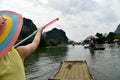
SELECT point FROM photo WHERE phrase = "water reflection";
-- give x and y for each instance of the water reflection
(54, 53)
(103, 64)
(44, 62)
(106, 63)
(93, 52)
(112, 46)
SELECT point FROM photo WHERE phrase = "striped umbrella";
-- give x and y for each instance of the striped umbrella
(91, 37)
(10, 27)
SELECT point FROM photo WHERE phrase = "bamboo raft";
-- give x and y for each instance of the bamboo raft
(73, 70)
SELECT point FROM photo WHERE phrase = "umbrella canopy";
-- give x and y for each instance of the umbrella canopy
(91, 37)
(10, 27)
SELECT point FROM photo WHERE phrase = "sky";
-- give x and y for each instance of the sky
(78, 18)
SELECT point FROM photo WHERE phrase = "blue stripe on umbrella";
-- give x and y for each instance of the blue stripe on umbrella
(91, 37)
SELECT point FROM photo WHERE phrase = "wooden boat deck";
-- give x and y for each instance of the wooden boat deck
(73, 70)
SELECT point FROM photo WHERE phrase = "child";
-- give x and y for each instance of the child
(12, 59)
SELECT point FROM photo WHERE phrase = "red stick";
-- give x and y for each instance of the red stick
(50, 23)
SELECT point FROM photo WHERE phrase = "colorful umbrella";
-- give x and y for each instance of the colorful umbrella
(10, 27)
(91, 37)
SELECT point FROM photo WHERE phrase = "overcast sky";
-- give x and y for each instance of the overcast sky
(78, 18)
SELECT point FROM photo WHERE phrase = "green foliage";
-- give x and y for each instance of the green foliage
(117, 36)
(48, 42)
(110, 38)
(100, 39)
(87, 41)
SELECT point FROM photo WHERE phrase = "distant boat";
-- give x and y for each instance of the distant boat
(98, 48)
(73, 44)
(73, 70)
(86, 46)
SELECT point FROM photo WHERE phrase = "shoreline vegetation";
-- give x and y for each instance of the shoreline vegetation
(112, 37)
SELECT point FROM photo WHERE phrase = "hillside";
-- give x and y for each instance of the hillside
(56, 34)
(117, 29)
(28, 28)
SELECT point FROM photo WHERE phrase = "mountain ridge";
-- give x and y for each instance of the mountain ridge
(56, 34)
(117, 29)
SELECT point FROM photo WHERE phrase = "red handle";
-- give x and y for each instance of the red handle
(50, 23)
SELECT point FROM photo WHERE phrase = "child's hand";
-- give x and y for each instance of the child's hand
(39, 30)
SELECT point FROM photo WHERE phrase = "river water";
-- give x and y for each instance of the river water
(103, 64)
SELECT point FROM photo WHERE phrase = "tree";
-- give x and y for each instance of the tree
(111, 37)
(100, 39)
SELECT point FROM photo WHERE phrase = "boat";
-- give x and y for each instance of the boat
(98, 48)
(73, 70)
(86, 46)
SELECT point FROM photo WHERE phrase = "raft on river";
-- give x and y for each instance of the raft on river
(73, 70)
(98, 48)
